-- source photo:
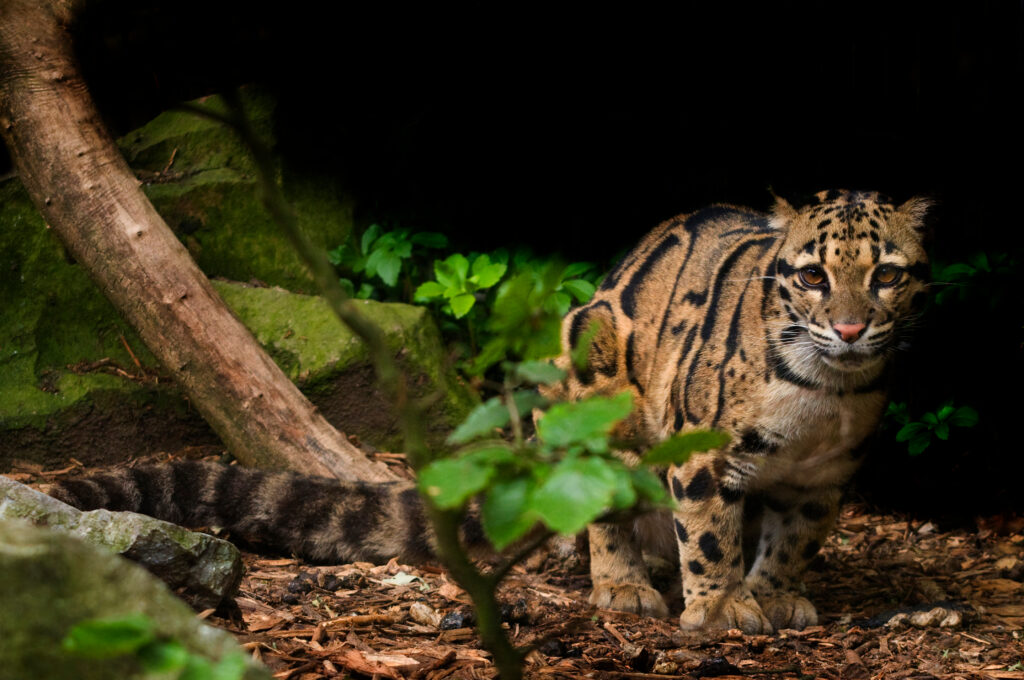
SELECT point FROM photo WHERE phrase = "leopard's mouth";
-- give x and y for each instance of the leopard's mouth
(849, 360)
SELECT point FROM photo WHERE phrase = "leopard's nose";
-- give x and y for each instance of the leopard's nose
(849, 332)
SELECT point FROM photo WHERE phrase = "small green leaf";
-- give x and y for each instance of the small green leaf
(573, 270)
(336, 256)
(492, 454)
(430, 239)
(504, 514)
(489, 274)
(965, 416)
(365, 291)
(461, 304)
(587, 422)
(624, 495)
(945, 412)
(428, 290)
(942, 431)
(385, 264)
(369, 236)
(898, 412)
(930, 419)
(539, 372)
(649, 486)
(679, 447)
(580, 289)
(107, 638)
(918, 444)
(526, 400)
(162, 657)
(560, 302)
(980, 260)
(450, 482)
(955, 271)
(482, 420)
(910, 430)
(451, 271)
(578, 490)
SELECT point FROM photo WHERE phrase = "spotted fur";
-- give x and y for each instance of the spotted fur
(778, 329)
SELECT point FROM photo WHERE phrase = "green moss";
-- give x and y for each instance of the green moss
(194, 142)
(53, 317)
(208, 196)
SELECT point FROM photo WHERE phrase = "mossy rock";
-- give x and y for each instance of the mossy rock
(53, 581)
(76, 380)
(331, 365)
(202, 181)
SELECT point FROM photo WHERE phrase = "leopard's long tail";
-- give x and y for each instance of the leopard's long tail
(319, 519)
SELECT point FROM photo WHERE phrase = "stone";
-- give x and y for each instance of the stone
(53, 581)
(204, 569)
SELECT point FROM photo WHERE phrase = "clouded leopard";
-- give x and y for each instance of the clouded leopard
(776, 328)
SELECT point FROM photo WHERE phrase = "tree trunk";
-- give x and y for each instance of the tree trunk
(85, 190)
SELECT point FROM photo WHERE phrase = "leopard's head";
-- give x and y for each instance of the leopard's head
(851, 274)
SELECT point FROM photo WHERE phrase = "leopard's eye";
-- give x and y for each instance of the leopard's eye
(888, 275)
(812, 276)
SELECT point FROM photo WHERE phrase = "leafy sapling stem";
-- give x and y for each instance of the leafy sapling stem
(514, 417)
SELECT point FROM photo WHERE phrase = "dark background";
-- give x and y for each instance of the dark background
(578, 132)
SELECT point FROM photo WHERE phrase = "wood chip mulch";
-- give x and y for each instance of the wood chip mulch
(897, 598)
(401, 621)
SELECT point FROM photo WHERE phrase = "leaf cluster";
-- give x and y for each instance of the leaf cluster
(458, 283)
(566, 478)
(381, 256)
(134, 635)
(981, 277)
(933, 424)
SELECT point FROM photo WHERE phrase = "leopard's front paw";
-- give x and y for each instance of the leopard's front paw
(739, 610)
(629, 597)
(788, 610)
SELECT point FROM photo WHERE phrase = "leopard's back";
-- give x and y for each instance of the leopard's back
(675, 313)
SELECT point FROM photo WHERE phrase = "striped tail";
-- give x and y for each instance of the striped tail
(316, 518)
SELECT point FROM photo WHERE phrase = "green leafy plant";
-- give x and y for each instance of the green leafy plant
(933, 424)
(135, 635)
(458, 282)
(566, 478)
(980, 273)
(380, 255)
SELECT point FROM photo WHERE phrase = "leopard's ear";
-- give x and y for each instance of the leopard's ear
(782, 213)
(911, 214)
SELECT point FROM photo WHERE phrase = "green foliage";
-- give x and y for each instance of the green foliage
(677, 449)
(919, 433)
(134, 635)
(475, 293)
(380, 255)
(458, 282)
(526, 316)
(565, 479)
(585, 423)
(982, 278)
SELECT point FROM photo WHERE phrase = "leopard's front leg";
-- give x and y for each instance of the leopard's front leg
(619, 574)
(792, 531)
(708, 525)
